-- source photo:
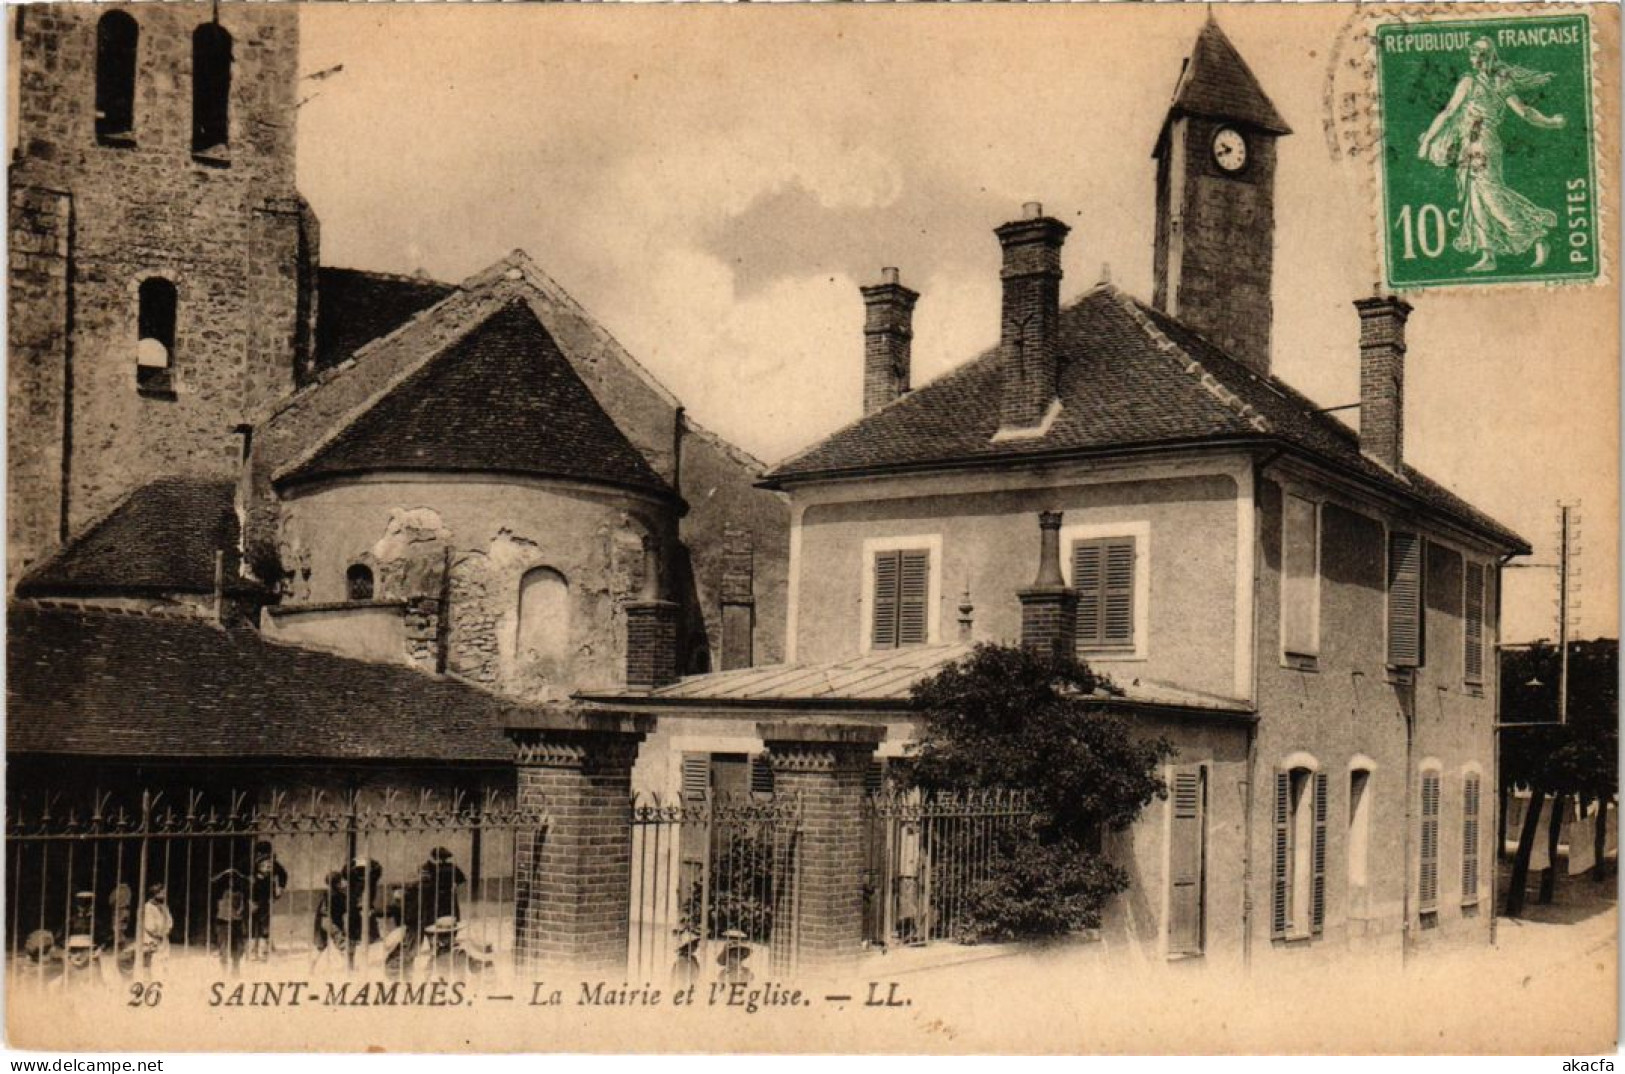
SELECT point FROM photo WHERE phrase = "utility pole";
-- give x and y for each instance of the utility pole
(1567, 570)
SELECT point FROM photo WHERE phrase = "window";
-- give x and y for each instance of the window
(1469, 839)
(543, 631)
(1359, 827)
(1427, 895)
(155, 336)
(358, 582)
(211, 89)
(1474, 603)
(116, 37)
(901, 590)
(1187, 852)
(1300, 579)
(1103, 575)
(1299, 896)
(1406, 630)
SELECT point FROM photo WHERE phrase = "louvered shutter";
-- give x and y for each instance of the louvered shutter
(1473, 662)
(696, 776)
(1299, 557)
(1281, 881)
(874, 777)
(1119, 593)
(1317, 894)
(914, 569)
(1185, 862)
(1103, 576)
(1428, 873)
(1469, 840)
(1405, 600)
(761, 774)
(887, 570)
(1086, 579)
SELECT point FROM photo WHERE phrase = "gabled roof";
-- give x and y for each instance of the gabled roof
(355, 307)
(1218, 84)
(162, 538)
(92, 681)
(1131, 377)
(501, 398)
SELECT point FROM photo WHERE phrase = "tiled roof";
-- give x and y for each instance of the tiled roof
(883, 678)
(1130, 377)
(92, 681)
(355, 307)
(502, 398)
(161, 538)
(1218, 83)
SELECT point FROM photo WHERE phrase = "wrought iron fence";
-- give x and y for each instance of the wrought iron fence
(372, 882)
(927, 855)
(714, 888)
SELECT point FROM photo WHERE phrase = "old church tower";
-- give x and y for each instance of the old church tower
(1215, 238)
(162, 263)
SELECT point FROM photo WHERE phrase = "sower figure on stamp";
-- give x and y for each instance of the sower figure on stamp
(1495, 219)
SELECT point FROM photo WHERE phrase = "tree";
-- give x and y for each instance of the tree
(1578, 758)
(1006, 717)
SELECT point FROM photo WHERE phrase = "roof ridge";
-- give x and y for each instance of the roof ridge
(1187, 361)
(341, 424)
(399, 277)
(111, 611)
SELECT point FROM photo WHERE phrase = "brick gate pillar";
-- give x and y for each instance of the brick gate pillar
(573, 880)
(824, 765)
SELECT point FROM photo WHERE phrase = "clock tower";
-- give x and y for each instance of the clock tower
(1215, 159)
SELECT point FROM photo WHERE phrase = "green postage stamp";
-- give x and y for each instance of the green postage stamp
(1488, 161)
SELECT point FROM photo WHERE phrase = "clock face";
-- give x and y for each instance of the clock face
(1229, 149)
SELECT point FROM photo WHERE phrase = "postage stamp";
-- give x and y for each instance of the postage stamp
(1488, 151)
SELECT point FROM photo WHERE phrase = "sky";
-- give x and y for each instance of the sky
(714, 184)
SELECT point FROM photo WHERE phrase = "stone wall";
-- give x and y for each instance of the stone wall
(227, 230)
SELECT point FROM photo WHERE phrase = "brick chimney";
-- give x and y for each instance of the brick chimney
(651, 630)
(888, 331)
(1049, 608)
(1029, 326)
(1382, 378)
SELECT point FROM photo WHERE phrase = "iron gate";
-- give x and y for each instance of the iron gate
(714, 888)
(373, 882)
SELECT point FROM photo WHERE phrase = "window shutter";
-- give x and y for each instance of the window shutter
(1405, 600)
(1281, 903)
(1469, 840)
(696, 776)
(1185, 865)
(1299, 560)
(874, 777)
(1103, 576)
(761, 774)
(1119, 593)
(1317, 894)
(887, 569)
(1428, 874)
(915, 574)
(1086, 579)
(1473, 663)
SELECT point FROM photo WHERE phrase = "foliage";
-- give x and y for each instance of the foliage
(1580, 757)
(1007, 717)
(742, 887)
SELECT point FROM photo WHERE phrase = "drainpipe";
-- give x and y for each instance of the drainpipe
(1248, 795)
(1409, 713)
(1495, 754)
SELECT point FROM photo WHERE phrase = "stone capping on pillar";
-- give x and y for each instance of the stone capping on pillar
(565, 736)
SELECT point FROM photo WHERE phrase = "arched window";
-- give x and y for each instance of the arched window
(211, 88)
(155, 336)
(1359, 842)
(544, 616)
(358, 582)
(116, 37)
(1298, 909)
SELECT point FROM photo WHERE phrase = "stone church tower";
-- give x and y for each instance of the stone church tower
(162, 263)
(1215, 239)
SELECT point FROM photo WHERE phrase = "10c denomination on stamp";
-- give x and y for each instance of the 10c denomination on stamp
(1488, 151)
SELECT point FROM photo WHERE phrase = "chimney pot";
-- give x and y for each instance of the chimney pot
(1049, 607)
(1382, 379)
(888, 334)
(1030, 323)
(1032, 210)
